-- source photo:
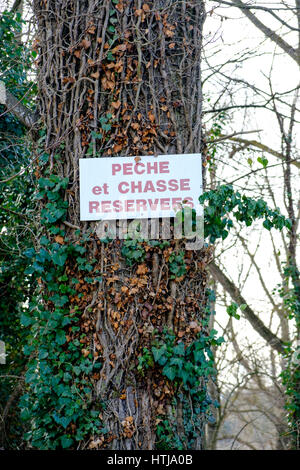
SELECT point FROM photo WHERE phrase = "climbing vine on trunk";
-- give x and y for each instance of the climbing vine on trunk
(119, 348)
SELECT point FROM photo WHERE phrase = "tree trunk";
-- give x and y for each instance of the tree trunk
(119, 79)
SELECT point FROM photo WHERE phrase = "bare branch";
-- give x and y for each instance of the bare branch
(269, 33)
(259, 145)
(271, 11)
(25, 115)
(17, 4)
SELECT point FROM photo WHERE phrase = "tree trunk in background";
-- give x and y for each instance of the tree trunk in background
(125, 79)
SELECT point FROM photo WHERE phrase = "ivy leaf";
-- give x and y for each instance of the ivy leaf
(232, 310)
(158, 354)
(263, 161)
(44, 241)
(96, 135)
(65, 421)
(179, 349)
(59, 258)
(60, 337)
(267, 224)
(185, 376)
(28, 349)
(66, 441)
(169, 372)
(30, 253)
(59, 300)
(25, 320)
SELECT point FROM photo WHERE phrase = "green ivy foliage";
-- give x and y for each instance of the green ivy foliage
(186, 365)
(189, 368)
(133, 251)
(224, 204)
(60, 393)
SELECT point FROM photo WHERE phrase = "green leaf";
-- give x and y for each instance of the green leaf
(186, 376)
(106, 127)
(44, 241)
(169, 372)
(66, 441)
(30, 253)
(263, 161)
(232, 310)
(59, 258)
(26, 320)
(179, 349)
(159, 355)
(96, 135)
(60, 337)
(59, 300)
(267, 224)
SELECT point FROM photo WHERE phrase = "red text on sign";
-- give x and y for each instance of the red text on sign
(140, 168)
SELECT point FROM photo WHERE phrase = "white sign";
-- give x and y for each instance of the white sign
(139, 187)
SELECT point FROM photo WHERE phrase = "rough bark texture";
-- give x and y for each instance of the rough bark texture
(14, 106)
(137, 65)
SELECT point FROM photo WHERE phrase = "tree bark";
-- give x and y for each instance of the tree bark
(15, 107)
(137, 65)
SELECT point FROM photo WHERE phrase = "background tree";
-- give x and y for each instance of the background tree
(272, 159)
